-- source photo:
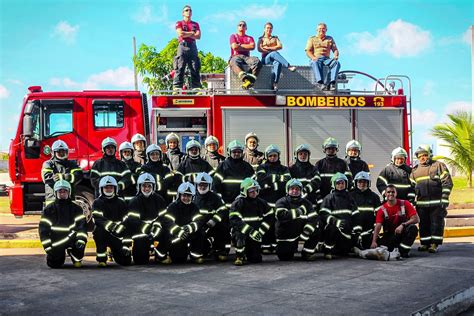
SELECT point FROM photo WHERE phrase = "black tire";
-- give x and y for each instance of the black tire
(84, 198)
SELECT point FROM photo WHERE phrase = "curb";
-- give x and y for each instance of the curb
(452, 305)
(466, 231)
(32, 243)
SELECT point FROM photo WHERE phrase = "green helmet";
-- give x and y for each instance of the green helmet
(272, 149)
(247, 184)
(424, 149)
(330, 142)
(211, 140)
(62, 184)
(293, 183)
(302, 147)
(399, 152)
(192, 144)
(337, 177)
(233, 145)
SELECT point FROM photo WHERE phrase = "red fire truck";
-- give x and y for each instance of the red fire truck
(296, 114)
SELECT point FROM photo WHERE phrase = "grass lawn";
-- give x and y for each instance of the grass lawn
(461, 194)
(4, 205)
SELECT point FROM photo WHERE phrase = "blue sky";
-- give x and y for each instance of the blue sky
(75, 45)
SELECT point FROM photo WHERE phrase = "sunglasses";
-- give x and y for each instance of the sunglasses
(187, 10)
(242, 24)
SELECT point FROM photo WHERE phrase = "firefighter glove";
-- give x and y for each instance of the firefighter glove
(255, 235)
(80, 244)
(56, 177)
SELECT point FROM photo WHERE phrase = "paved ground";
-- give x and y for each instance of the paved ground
(341, 286)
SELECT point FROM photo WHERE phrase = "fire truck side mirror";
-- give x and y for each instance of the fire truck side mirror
(27, 126)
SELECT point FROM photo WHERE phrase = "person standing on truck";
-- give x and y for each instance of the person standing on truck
(59, 168)
(318, 49)
(108, 211)
(356, 165)
(433, 187)
(109, 165)
(230, 173)
(398, 174)
(126, 155)
(193, 163)
(187, 55)
(330, 165)
(251, 155)
(269, 45)
(212, 155)
(173, 156)
(62, 228)
(139, 146)
(241, 45)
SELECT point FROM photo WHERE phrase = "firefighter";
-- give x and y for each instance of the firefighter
(185, 226)
(62, 228)
(230, 173)
(251, 154)
(340, 216)
(296, 220)
(144, 221)
(173, 156)
(330, 165)
(307, 174)
(398, 219)
(165, 181)
(109, 165)
(272, 177)
(250, 218)
(139, 147)
(398, 174)
(433, 187)
(193, 163)
(212, 155)
(59, 167)
(216, 217)
(108, 211)
(356, 165)
(367, 203)
(126, 152)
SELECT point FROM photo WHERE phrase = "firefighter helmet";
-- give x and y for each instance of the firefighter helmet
(146, 178)
(62, 184)
(186, 188)
(193, 144)
(108, 141)
(330, 142)
(302, 147)
(105, 181)
(251, 135)
(338, 177)
(211, 140)
(362, 175)
(247, 184)
(170, 137)
(125, 146)
(272, 149)
(203, 177)
(353, 144)
(293, 183)
(424, 149)
(399, 152)
(152, 148)
(59, 145)
(138, 137)
(234, 145)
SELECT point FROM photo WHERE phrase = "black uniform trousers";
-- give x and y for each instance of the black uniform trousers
(187, 56)
(431, 224)
(402, 241)
(246, 247)
(218, 239)
(57, 256)
(104, 239)
(335, 241)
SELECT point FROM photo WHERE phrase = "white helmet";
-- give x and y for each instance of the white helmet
(108, 141)
(397, 152)
(251, 135)
(353, 144)
(171, 136)
(362, 175)
(186, 188)
(138, 137)
(146, 178)
(105, 181)
(124, 146)
(59, 145)
(203, 177)
(62, 184)
(152, 148)
(193, 144)
(211, 140)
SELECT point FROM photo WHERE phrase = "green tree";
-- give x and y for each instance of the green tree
(153, 66)
(458, 135)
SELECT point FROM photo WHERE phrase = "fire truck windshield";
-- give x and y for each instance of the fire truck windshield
(57, 120)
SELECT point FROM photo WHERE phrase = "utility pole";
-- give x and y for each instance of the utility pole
(135, 80)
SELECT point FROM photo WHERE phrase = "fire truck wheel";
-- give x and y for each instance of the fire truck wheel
(85, 197)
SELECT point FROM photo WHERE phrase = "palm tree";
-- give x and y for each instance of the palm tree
(458, 136)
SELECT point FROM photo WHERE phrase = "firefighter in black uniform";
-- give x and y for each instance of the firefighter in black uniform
(139, 146)
(330, 165)
(186, 227)
(367, 203)
(165, 181)
(193, 163)
(109, 165)
(272, 177)
(356, 165)
(212, 155)
(340, 216)
(173, 156)
(62, 228)
(251, 154)
(296, 220)
(250, 218)
(307, 174)
(398, 174)
(108, 211)
(59, 168)
(126, 155)
(230, 173)
(144, 220)
(433, 187)
(216, 217)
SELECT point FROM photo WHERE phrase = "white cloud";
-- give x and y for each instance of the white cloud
(428, 87)
(15, 81)
(4, 93)
(464, 38)
(455, 106)
(423, 117)
(399, 39)
(252, 12)
(66, 32)
(147, 15)
(121, 77)
(467, 36)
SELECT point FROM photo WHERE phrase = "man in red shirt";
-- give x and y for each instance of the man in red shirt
(398, 218)
(240, 46)
(188, 32)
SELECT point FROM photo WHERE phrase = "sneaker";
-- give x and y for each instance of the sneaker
(77, 264)
(275, 86)
(309, 257)
(332, 86)
(199, 260)
(102, 264)
(167, 260)
(246, 84)
(238, 261)
(292, 68)
(328, 256)
(325, 87)
(433, 248)
(423, 248)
